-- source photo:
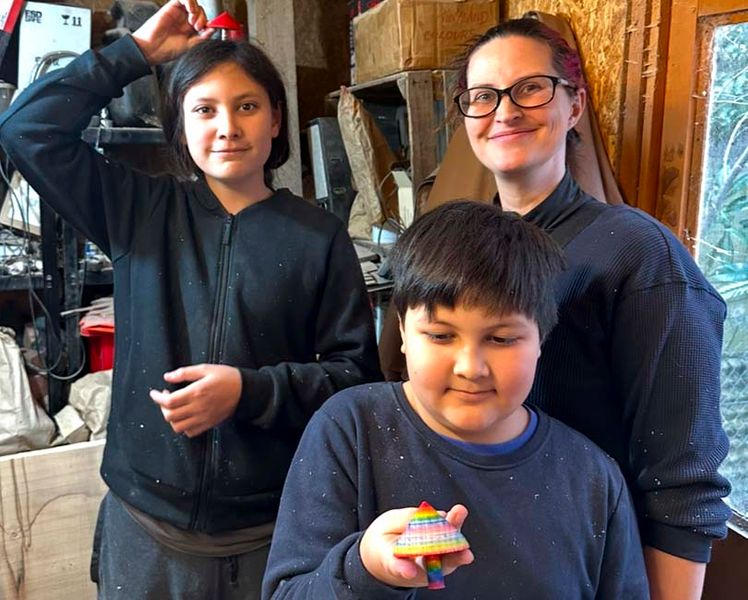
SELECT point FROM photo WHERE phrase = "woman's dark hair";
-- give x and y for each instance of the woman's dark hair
(566, 61)
(195, 64)
(475, 254)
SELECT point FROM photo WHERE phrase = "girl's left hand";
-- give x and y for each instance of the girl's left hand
(210, 398)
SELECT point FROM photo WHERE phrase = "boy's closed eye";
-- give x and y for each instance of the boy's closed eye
(445, 338)
(439, 338)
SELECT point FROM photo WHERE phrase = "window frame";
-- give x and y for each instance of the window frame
(684, 100)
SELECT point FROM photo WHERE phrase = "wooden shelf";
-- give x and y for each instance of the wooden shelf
(425, 93)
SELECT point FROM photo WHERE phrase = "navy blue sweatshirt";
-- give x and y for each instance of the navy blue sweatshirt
(634, 364)
(275, 290)
(552, 519)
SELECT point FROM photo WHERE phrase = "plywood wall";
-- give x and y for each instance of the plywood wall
(600, 28)
(49, 500)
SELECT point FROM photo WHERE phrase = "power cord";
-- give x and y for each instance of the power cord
(33, 297)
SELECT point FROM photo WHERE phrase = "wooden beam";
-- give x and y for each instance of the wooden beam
(677, 133)
(49, 500)
(655, 75)
(720, 7)
(630, 125)
(271, 26)
(641, 117)
(418, 91)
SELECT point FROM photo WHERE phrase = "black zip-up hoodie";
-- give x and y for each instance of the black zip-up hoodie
(275, 290)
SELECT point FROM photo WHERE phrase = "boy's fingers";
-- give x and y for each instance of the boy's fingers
(405, 568)
(396, 520)
(457, 515)
(451, 562)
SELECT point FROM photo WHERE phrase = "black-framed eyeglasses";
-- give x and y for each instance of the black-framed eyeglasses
(530, 92)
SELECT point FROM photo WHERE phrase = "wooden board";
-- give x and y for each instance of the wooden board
(271, 25)
(642, 111)
(49, 500)
(417, 89)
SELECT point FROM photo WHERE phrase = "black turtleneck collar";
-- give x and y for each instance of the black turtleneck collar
(557, 207)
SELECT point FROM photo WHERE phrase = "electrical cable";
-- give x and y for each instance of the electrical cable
(33, 297)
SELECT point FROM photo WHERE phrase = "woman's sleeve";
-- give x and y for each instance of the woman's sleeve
(345, 344)
(666, 351)
(41, 133)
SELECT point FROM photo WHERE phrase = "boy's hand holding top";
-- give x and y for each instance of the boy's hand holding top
(378, 543)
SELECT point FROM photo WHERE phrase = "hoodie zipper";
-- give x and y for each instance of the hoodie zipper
(214, 357)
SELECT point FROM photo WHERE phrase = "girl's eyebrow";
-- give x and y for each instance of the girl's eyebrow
(242, 96)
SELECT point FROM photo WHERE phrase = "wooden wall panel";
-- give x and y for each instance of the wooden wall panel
(49, 500)
(641, 112)
(600, 28)
(271, 26)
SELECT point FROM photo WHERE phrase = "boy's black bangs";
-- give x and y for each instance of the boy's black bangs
(492, 289)
(477, 256)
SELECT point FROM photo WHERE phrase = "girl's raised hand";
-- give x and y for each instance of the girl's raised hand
(177, 26)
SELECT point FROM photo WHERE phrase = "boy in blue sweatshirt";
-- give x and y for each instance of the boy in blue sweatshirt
(474, 294)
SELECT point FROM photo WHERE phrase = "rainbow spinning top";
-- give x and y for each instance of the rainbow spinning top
(428, 534)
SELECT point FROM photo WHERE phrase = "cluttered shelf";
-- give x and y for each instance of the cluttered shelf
(425, 95)
(385, 90)
(20, 282)
(390, 88)
(103, 277)
(35, 281)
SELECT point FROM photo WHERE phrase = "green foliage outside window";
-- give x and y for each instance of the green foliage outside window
(722, 246)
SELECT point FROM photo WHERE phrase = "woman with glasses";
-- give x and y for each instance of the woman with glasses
(634, 360)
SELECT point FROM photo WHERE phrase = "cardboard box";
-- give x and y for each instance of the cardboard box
(401, 35)
(47, 28)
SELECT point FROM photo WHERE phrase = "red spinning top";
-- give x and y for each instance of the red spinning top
(229, 27)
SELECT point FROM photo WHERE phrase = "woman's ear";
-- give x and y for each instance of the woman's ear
(578, 104)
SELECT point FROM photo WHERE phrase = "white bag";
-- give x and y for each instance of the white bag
(23, 424)
(91, 396)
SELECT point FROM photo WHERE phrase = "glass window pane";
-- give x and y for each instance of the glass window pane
(722, 246)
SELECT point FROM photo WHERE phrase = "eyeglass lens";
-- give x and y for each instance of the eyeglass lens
(527, 93)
